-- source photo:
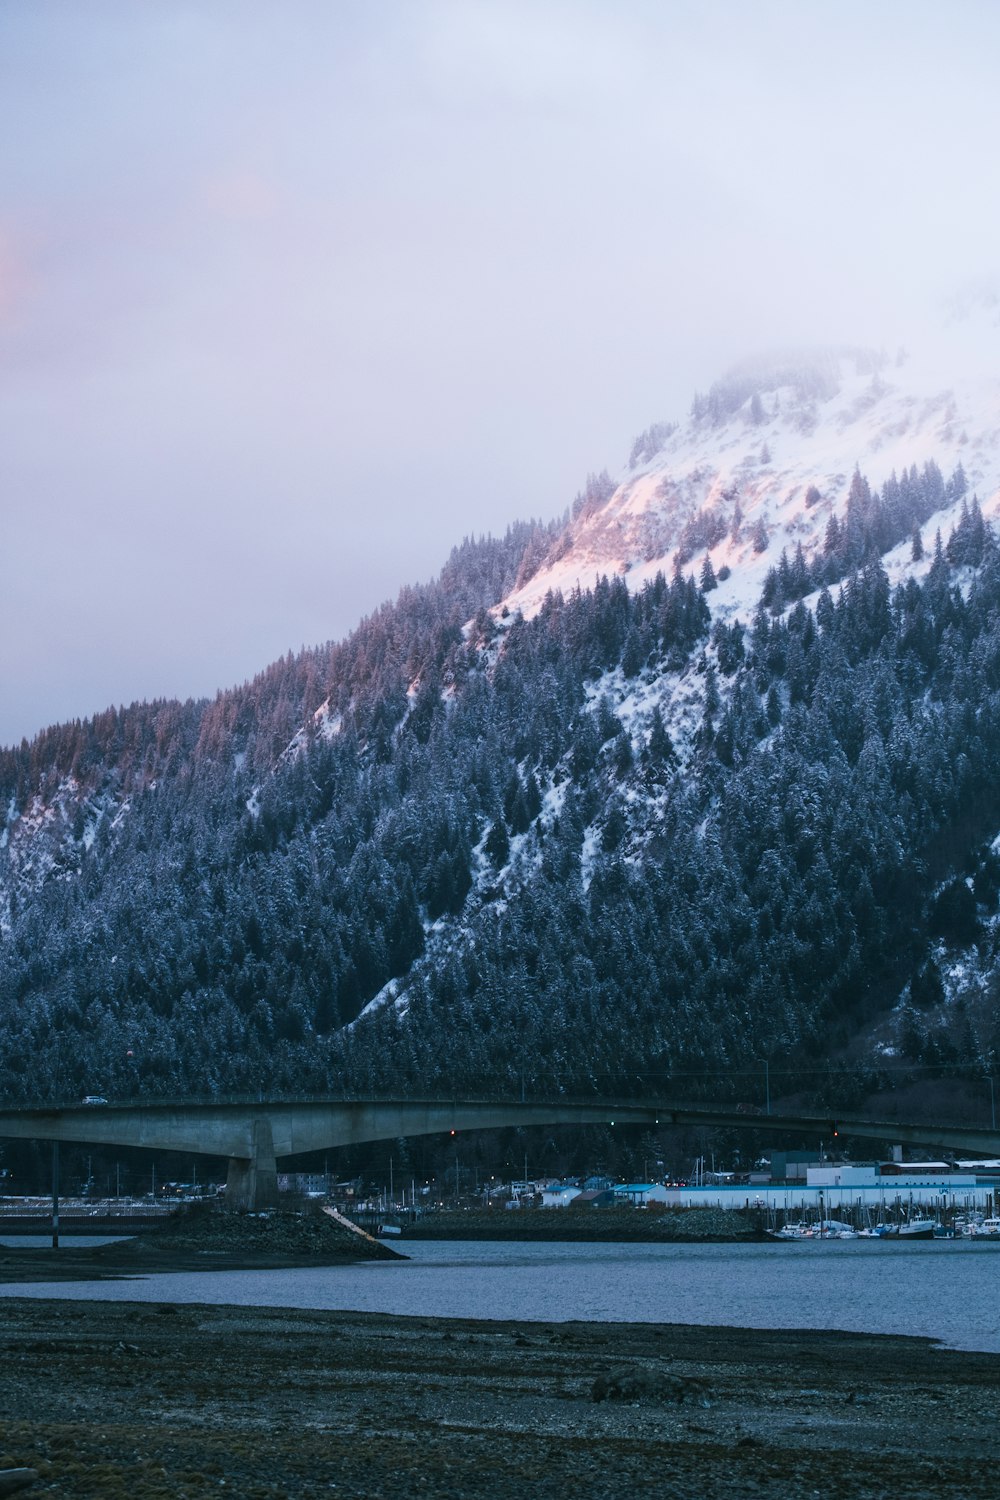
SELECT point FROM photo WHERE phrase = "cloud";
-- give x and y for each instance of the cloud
(17, 283)
(242, 194)
(293, 297)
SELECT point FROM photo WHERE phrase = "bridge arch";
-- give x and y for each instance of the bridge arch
(256, 1135)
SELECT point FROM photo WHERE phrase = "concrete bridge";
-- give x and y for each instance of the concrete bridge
(255, 1135)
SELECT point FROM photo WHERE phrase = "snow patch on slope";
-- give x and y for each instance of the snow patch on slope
(756, 469)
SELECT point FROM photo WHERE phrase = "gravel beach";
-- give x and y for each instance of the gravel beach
(145, 1401)
(125, 1401)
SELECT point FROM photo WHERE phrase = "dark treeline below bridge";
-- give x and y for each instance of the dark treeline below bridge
(255, 1134)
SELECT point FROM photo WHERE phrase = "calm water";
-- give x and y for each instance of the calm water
(944, 1289)
(70, 1241)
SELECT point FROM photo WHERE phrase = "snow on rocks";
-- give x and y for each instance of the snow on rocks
(773, 471)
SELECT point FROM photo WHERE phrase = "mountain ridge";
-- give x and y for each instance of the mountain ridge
(516, 824)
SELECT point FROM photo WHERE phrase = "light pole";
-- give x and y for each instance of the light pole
(55, 1195)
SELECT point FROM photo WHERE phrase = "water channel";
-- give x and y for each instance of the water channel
(945, 1290)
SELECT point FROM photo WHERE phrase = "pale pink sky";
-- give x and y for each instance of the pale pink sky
(294, 296)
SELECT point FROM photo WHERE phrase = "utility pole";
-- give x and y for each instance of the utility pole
(55, 1195)
(767, 1087)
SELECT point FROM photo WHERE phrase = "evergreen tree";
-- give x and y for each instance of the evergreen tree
(659, 748)
(497, 845)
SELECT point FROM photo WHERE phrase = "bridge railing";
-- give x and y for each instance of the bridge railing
(749, 1089)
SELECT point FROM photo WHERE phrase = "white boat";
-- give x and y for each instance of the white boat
(916, 1229)
(837, 1229)
(911, 1229)
(989, 1228)
(829, 1229)
(799, 1231)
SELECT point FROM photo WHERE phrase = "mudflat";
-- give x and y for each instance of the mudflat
(147, 1401)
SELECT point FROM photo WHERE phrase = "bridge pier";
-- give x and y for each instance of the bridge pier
(252, 1182)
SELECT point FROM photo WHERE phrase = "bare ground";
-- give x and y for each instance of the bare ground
(123, 1401)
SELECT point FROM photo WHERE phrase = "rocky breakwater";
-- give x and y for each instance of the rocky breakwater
(592, 1225)
(205, 1238)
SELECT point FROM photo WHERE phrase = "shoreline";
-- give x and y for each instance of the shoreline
(137, 1401)
(208, 1240)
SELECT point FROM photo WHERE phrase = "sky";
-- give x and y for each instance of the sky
(293, 297)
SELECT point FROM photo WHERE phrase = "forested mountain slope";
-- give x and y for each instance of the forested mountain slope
(510, 838)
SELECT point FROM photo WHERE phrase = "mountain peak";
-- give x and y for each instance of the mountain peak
(762, 462)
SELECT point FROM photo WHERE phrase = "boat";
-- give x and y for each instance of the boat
(837, 1229)
(827, 1229)
(909, 1229)
(799, 1231)
(915, 1229)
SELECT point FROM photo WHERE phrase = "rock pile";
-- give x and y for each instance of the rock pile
(207, 1231)
(590, 1225)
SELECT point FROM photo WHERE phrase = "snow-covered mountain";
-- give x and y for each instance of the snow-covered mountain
(769, 453)
(517, 821)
